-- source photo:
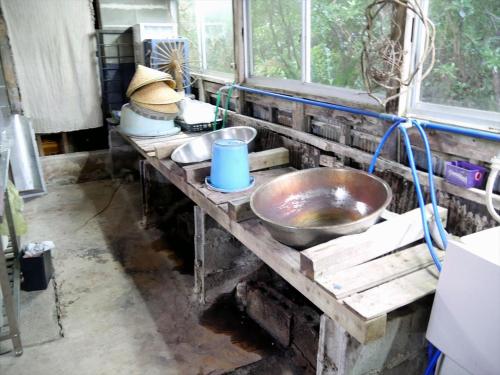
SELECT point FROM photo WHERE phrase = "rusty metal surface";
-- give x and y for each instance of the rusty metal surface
(311, 206)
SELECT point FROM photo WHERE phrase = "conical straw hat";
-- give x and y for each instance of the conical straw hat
(156, 93)
(161, 108)
(144, 76)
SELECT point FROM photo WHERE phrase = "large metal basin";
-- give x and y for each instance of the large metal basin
(200, 149)
(308, 207)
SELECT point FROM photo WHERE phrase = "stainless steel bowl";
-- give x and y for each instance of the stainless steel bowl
(308, 207)
(200, 148)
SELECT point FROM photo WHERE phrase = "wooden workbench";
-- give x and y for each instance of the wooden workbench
(355, 280)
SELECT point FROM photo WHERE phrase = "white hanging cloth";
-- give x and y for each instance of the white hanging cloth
(54, 49)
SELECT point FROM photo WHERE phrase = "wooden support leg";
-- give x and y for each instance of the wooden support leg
(123, 157)
(39, 144)
(221, 261)
(199, 254)
(145, 190)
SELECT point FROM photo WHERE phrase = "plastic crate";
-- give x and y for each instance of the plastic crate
(465, 174)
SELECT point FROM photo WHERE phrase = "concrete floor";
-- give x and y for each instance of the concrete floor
(122, 307)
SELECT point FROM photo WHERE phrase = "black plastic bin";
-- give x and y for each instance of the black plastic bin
(37, 271)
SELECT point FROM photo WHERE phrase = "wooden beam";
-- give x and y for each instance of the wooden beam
(239, 210)
(474, 195)
(257, 160)
(347, 251)
(299, 119)
(239, 51)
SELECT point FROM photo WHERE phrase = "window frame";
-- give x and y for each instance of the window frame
(410, 103)
(304, 86)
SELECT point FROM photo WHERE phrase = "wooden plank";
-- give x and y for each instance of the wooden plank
(348, 251)
(367, 275)
(394, 294)
(257, 161)
(281, 258)
(261, 178)
(474, 195)
(402, 291)
(329, 161)
(299, 119)
(239, 210)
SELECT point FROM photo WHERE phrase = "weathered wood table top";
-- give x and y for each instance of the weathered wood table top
(356, 280)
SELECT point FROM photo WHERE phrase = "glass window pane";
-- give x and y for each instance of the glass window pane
(276, 38)
(188, 29)
(467, 68)
(336, 42)
(217, 30)
(208, 24)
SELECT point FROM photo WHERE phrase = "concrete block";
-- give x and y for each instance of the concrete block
(400, 351)
(305, 333)
(271, 313)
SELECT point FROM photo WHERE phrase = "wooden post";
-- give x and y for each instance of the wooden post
(299, 119)
(39, 144)
(8, 69)
(239, 52)
(199, 254)
(67, 145)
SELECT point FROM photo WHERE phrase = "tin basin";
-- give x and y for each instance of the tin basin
(308, 207)
(200, 148)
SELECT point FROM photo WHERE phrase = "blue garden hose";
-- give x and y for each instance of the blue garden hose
(381, 145)
(433, 353)
(432, 189)
(420, 197)
(431, 368)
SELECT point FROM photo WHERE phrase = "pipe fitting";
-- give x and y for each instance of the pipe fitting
(495, 169)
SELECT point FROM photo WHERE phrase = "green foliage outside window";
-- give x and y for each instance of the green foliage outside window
(466, 72)
(209, 22)
(276, 33)
(467, 68)
(336, 42)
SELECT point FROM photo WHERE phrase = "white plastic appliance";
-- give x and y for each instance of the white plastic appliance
(465, 318)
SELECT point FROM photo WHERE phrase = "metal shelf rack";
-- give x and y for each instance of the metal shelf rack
(9, 264)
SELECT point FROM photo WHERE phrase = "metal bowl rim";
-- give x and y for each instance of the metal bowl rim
(373, 215)
(253, 130)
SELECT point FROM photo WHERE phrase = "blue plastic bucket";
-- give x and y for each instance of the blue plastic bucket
(230, 168)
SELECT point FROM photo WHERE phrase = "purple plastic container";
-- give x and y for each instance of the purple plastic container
(465, 174)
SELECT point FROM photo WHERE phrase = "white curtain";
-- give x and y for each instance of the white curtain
(53, 43)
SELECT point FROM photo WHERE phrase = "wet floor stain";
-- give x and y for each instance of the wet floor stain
(225, 317)
(182, 257)
(95, 254)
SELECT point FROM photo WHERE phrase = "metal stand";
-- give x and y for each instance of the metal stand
(9, 268)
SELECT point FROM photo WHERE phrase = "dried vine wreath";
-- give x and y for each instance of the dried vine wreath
(383, 52)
